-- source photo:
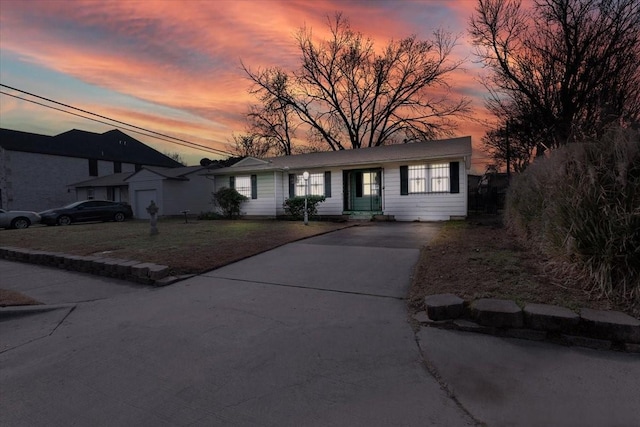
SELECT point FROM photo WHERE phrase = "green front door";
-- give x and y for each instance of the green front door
(363, 190)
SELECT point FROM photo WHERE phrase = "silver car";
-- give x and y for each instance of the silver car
(18, 219)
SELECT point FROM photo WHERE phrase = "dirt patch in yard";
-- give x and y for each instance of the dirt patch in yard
(478, 258)
(10, 298)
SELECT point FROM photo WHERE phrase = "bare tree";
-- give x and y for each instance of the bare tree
(349, 96)
(511, 146)
(571, 67)
(274, 119)
(175, 156)
(250, 145)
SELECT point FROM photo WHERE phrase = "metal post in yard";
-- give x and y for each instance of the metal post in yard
(305, 176)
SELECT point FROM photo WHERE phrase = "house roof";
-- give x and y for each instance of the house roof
(173, 173)
(424, 150)
(113, 145)
(114, 180)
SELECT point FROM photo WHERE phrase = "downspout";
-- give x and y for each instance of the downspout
(275, 193)
(213, 180)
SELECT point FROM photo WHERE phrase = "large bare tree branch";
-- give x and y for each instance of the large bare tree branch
(572, 65)
(350, 96)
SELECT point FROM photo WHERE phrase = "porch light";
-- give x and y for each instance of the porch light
(305, 176)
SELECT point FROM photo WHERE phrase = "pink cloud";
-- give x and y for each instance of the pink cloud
(186, 55)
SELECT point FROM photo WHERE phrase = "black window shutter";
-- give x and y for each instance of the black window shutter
(254, 186)
(292, 185)
(358, 184)
(232, 182)
(327, 184)
(454, 176)
(404, 180)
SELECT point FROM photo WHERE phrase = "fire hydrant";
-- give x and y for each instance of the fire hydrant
(153, 219)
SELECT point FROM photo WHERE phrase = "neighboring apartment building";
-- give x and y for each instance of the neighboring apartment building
(36, 171)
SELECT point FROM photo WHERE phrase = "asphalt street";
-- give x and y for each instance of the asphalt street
(314, 333)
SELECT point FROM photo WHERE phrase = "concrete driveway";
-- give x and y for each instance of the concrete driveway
(314, 333)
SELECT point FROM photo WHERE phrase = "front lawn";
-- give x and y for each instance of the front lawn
(193, 247)
(478, 258)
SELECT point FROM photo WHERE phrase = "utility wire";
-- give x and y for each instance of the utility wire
(212, 150)
(150, 133)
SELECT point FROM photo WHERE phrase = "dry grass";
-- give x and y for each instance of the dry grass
(478, 258)
(12, 298)
(194, 247)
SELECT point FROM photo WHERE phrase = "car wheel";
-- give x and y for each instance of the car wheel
(119, 217)
(20, 223)
(64, 220)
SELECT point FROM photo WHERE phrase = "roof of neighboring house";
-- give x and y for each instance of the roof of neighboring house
(173, 173)
(114, 180)
(113, 145)
(424, 150)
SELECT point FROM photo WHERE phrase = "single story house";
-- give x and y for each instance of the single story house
(418, 181)
(36, 170)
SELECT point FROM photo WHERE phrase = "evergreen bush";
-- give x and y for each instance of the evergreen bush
(228, 200)
(294, 206)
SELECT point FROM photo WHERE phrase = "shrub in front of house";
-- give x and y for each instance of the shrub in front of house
(228, 201)
(294, 206)
(581, 205)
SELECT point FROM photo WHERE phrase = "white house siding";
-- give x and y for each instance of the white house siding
(423, 207)
(193, 195)
(265, 204)
(281, 182)
(331, 206)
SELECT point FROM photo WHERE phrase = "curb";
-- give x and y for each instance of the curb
(133, 271)
(12, 312)
(596, 329)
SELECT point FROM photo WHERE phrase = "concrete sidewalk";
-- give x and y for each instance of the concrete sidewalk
(314, 333)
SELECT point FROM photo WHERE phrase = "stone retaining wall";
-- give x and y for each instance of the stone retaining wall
(590, 328)
(135, 271)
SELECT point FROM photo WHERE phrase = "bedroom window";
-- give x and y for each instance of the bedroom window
(428, 178)
(316, 184)
(243, 185)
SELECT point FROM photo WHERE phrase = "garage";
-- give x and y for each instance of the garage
(143, 199)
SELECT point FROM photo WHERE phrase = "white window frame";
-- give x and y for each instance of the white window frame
(243, 185)
(439, 178)
(316, 184)
(429, 178)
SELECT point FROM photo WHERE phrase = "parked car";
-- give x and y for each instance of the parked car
(87, 210)
(18, 219)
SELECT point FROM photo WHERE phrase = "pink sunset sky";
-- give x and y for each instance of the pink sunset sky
(174, 66)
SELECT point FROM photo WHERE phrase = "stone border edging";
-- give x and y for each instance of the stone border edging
(599, 329)
(135, 271)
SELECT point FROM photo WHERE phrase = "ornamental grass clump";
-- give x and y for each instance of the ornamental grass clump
(581, 205)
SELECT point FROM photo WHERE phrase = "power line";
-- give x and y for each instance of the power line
(150, 133)
(100, 121)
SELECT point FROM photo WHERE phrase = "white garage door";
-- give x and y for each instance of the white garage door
(143, 199)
